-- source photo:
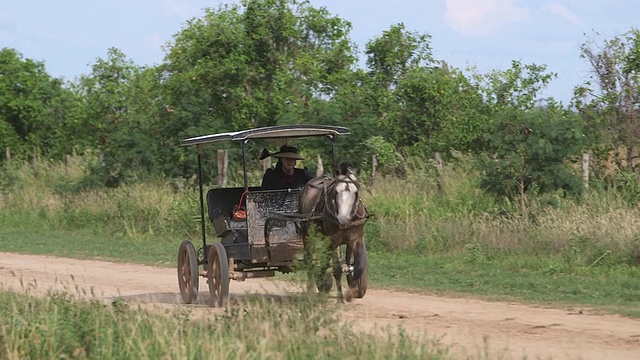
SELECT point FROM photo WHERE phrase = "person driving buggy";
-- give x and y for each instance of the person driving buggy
(285, 175)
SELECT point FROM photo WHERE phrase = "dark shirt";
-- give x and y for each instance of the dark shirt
(276, 179)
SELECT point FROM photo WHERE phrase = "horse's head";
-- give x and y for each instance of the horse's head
(345, 197)
(333, 200)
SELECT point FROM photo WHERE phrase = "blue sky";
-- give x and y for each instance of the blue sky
(69, 35)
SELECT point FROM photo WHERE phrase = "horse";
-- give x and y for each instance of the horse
(332, 205)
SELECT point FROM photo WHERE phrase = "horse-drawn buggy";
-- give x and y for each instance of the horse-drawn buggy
(264, 231)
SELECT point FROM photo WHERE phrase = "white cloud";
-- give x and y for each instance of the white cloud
(482, 17)
(564, 12)
(183, 9)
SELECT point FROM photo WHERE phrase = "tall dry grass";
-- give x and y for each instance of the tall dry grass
(420, 212)
(55, 195)
(427, 212)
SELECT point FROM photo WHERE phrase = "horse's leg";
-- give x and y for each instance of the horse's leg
(356, 265)
(337, 273)
(351, 269)
(322, 280)
(308, 264)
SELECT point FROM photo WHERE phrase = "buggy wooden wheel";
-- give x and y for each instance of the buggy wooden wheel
(358, 278)
(218, 275)
(188, 276)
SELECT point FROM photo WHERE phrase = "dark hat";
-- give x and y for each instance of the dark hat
(288, 152)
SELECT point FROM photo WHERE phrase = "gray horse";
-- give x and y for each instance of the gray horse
(334, 207)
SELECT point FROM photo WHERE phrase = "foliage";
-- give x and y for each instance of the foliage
(244, 66)
(420, 104)
(119, 108)
(34, 108)
(389, 159)
(439, 110)
(267, 62)
(532, 150)
(516, 87)
(609, 99)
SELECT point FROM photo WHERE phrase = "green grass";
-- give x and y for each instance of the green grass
(568, 253)
(526, 279)
(522, 279)
(85, 244)
(460, 242)
(296, 327)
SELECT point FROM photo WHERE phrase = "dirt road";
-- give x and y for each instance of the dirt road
(470, 326)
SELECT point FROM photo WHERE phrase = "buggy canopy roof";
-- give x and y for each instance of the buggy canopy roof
(271, 132)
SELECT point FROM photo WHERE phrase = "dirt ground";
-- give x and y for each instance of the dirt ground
(473, 328)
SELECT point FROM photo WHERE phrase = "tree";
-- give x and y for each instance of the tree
(120, 105)
(389, 58)
(515, 88)
(533, 149)
(609, 100)
(422, 105)
(439, 110)
(245, 65)
(34, 108)
(254, 64)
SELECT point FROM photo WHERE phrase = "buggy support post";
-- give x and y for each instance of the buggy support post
(202, 222)
(244, 164)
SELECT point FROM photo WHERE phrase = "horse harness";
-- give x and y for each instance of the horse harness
(324, 210)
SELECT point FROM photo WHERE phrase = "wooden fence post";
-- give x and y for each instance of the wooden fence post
(374, 165)
(223, 162)
(438, 160)
(586, 157)
(7, 153)
(320, 168)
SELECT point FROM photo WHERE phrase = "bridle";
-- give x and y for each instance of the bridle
(325, 207)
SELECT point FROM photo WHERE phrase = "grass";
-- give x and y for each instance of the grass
(570, 253)
(473, 273)
(86, 244)
(459, 241)
(522, 279)
(297, 327)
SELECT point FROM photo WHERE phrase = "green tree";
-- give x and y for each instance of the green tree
(515, 88)
(439, 110)
(532, 150)
(390, 57)
(258, 63)
(422, 105)
(245, 65)
(527, 147)
(34, 108)
(119, 111)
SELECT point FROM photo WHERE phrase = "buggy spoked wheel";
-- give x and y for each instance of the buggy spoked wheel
(358, 278)
(218, 275)
(188, 276)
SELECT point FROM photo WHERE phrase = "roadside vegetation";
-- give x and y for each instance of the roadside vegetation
(94, 169)
(429, 233)
(294, 327)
